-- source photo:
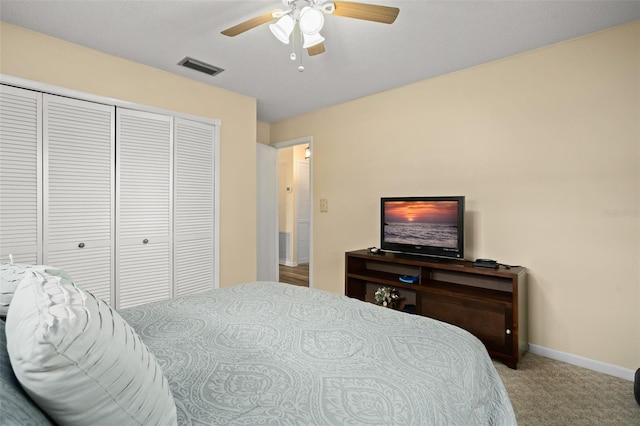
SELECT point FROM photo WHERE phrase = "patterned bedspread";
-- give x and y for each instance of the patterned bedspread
(273, 353)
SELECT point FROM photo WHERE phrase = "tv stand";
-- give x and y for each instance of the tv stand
(489, 303)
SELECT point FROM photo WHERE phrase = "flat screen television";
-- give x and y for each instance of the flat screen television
(427, 226)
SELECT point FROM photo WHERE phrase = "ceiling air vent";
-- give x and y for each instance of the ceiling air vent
(197, 65)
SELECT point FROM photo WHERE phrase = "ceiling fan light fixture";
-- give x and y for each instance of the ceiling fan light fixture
(328, 7)
(311, 20)
(283, 28)
(311, 40)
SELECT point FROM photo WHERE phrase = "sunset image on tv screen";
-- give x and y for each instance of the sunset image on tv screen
(421, 223)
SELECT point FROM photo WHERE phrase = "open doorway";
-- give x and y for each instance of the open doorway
(294, 211)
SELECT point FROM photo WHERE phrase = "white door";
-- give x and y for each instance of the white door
(78, 147)
(303, 212)
(267, 212)
(20, 175)
(144, 227)
(194, 207)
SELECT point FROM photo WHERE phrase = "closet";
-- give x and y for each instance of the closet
(143, 164)
(122, 199)
(194, 189)
(20, 175)
(78, 149)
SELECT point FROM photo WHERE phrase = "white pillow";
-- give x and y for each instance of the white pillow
(79, 360)
(10, 277)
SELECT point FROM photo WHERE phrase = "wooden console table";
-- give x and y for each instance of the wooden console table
(489, 303)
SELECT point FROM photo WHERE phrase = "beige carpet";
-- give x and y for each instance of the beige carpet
(544, 391)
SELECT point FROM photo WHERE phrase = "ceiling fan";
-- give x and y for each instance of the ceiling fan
(309, 17)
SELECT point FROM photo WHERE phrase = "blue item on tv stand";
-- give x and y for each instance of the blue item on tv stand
(409, 279)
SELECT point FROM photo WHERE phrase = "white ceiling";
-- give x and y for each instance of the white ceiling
(429, 38)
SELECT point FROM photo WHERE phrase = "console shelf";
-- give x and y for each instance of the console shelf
(489, 303)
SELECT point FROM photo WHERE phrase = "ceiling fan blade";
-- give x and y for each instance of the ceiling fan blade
(249, 24)
(368, 12)
(316, 49)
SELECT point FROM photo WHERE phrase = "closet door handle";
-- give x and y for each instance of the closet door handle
(145, 241)
(81, 245)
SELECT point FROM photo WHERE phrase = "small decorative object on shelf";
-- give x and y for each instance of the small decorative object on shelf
(387, 296)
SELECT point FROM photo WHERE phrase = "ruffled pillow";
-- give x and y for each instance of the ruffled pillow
(10, 276)
(16, 407)
(79, 360)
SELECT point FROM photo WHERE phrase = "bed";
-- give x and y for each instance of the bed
(274, 353)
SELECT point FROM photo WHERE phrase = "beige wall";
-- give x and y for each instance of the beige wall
(34, 56)
(544, 145)
(263, 134)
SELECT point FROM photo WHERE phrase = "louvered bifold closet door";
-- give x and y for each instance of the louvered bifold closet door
(144, 226)
(20, 175)
(194, 206)
(78, 191)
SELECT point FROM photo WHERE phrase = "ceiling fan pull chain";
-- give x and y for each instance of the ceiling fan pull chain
(293, 47)
(300, 67)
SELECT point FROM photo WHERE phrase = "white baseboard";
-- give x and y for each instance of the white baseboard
(591, 364)
(286, 262)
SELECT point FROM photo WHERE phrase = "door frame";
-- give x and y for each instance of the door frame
(298, 174)
(267, 210)
(306, 140)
